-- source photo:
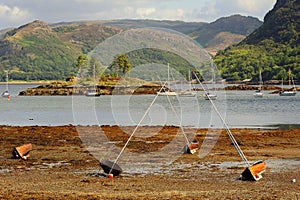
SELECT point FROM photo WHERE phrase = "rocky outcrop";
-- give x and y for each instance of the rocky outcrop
(250, 87)
(65, 89)
(274, 89)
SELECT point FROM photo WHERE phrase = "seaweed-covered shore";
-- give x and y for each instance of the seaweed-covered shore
(60, 165)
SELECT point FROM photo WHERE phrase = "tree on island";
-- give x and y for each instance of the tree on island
(82, 64)
(120, 64)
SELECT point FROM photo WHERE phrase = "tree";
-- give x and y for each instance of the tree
(82, 64)
(120, 64)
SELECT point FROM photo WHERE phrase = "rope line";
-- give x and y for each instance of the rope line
(180, 122)
(237, 147)
(135, 129)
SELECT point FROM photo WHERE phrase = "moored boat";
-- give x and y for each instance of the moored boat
(22, 151)
(92, 93)
(167, 92)
(6, 93)
(287, 93)
(258, 93)
(209, 96)
(291, 92)
(187, 93)
(253, 172)
(110, 167)
(191, 148)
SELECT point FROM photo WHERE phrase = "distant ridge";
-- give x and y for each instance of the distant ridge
(235, 24)
(41, 51)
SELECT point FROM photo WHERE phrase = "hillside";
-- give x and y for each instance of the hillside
(236, 25)
(37, 51)
(41, 51)
(281, 25)
(213, 36)
(273, 48)
(28, 48)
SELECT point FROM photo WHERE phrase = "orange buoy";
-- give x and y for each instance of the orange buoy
(110, 175)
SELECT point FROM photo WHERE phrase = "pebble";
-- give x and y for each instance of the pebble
(294, 180)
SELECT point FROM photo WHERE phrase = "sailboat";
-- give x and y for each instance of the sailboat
(6, 93)
(93, 91)
(167, 92)
(207, 94)
(253, 172)
(258, 93)
(188, 93)
(289, 92)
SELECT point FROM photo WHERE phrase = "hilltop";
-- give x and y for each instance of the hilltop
(213, 36)
(41, 51)
(37, 51)
(273, 48)
(225, 31)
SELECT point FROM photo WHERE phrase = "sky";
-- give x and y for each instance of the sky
(14, 13)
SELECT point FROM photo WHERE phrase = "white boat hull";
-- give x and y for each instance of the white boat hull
(210, 97)
(187, 94)
(167, 93)
(258, 94)
(287, 93)
(5, 94)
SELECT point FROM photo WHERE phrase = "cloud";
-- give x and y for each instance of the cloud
(144, 12)
(13, 14)
(250, 7)
(17, 12)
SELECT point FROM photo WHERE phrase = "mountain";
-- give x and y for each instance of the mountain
(212, 36)
(36, 51)
(41, 51)
(273, 48)
(180, 26)
(281, 24)
(235, 25)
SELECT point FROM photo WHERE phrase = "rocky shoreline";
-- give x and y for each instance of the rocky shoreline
(66, 89)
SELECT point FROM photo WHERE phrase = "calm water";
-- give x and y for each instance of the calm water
(240, 108)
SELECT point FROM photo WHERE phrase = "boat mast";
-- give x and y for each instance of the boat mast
(260, 80)
(289, 77)
(94, 74)
(168, 84)
(6, 80)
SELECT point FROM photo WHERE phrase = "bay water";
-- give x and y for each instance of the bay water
(239, 108)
